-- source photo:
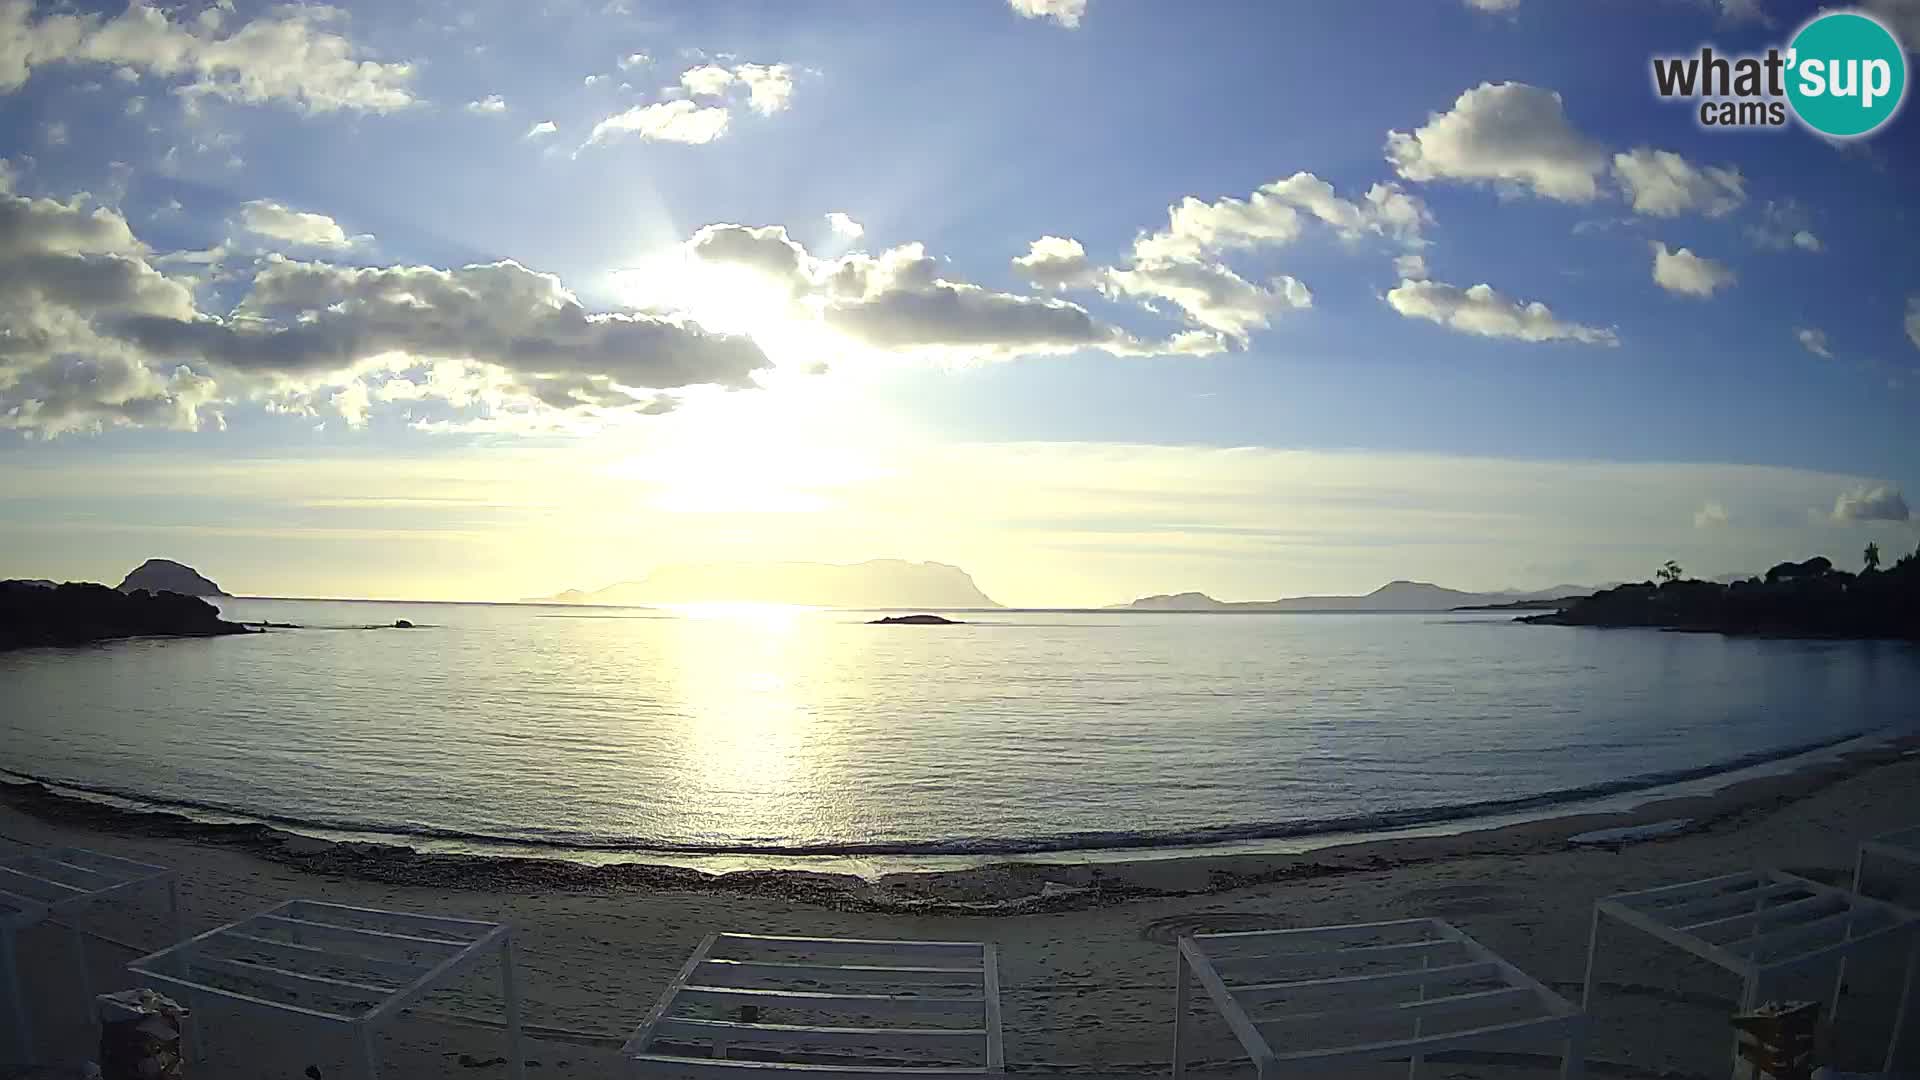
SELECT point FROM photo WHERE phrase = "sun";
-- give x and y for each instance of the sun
(732, 299)
(800, 446)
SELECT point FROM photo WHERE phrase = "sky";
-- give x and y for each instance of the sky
(1092, 298)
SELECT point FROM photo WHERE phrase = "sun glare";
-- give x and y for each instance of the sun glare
(796, 448)
(766, 617)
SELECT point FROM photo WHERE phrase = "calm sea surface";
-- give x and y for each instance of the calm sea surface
(780, 730)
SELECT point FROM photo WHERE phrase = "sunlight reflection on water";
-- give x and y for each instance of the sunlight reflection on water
(755, 727)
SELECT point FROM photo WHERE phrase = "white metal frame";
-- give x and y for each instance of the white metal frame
(1900, 845)
(1248, 973)
(54, 885)
(331, 964)
(958, 980)
(16, 914)
(1759, 925)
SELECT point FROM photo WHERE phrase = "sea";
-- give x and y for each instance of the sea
(750, 735)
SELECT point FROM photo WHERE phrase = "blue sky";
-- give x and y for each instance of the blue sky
(264, 320)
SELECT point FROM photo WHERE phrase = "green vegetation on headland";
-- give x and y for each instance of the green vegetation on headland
(1803, 599)
(33, 614)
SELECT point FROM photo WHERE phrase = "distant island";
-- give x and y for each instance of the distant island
(1794, 599)
(1393, 596)
(876, 583)
(165, 575)
(914, 620)
(78, 613)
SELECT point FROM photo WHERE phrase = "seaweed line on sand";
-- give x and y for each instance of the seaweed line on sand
(991, 889)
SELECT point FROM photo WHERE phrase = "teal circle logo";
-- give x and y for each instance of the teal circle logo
(1846, 74)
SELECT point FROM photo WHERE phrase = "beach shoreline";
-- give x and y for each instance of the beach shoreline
(993, 884)
(1086, 948)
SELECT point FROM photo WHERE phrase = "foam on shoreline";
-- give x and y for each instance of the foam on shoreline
(1278, 837)
(1014, 882)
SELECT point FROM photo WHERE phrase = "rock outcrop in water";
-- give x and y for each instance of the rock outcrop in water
(914, 620)
(79, 613)
(165, 575)
(1806, 599)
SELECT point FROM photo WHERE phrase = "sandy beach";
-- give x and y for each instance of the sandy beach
(1086, 949)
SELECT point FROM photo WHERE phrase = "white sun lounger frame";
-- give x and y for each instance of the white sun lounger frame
(1900, 845)
(52, 885)
(1334, 946)
(890, 976)
(1819, 926)
(409, 954)
(16, 914)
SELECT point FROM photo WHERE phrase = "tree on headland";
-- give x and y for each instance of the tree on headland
(1811, 598)
(1871, 557)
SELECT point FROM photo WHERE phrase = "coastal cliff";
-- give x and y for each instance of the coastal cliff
(1803, 599)
(33, 614)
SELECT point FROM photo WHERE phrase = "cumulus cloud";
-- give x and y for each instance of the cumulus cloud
(1880, 503)
(1510, 134)
(64, 269)
(1479, 309)
(842, 225)
(1710, 515)
(707, 80)
(1067, 13)
(634, 60)
(1664, 184)
(1688, 274)
(769, 86)
(1277, 214)
(287, 57)
(99, 336)
(1210, 293)
(1493, 5)
(544, 127)
(1412, 267)
(1183, 264)
(666, 121)
(1814, 341)
(897, 302)
(294, 227)
(1056, 262)
(307, 317)
(1913, 319)
(492, 103)
(1784, 225)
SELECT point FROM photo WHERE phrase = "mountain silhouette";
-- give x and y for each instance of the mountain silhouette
(1393, 596)
(876, 583)
(165, 575)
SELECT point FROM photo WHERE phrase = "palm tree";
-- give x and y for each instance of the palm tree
(1872, 557)
(1670, 572)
